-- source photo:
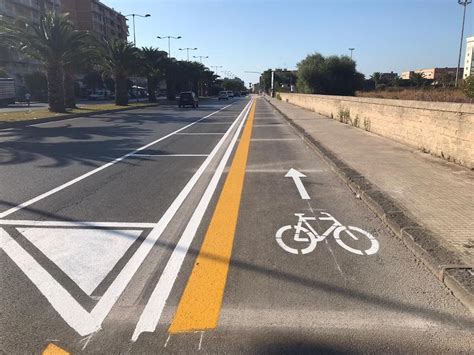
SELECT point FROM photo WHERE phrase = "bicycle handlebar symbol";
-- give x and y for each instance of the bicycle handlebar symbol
(311, 237)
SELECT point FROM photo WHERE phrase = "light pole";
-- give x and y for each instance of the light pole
(187, 49)
(352, 50)
(169, 42)
(216, 68)
(463, 3)
(201, 57)
(259, 79)
(133, 17)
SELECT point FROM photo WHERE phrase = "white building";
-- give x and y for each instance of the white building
(469, 61)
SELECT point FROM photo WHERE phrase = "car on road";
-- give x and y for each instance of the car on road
(237, 94)
(188, 98)
(223, 95)
(230, 93)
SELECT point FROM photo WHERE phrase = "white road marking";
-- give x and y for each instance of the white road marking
(214, 123)
(102, 167)
(152, 312)
(199, 134)
(20, 222)
(68, 308)
(169, 155)
(296, 176)
(85, 255)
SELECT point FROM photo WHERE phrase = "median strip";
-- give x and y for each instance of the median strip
(201, 302)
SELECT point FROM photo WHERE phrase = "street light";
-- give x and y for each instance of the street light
(169, 42)
(201, 57)
(187, 49)
(463, 3)
(216, 68)
(133, 17)
(351, 49)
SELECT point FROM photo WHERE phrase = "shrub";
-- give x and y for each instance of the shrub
(468, 86)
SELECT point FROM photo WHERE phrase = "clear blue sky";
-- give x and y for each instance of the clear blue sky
(255, 35)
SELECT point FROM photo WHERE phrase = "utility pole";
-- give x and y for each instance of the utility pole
(463, 3)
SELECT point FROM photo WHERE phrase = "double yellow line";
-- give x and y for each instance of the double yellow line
(200, 304)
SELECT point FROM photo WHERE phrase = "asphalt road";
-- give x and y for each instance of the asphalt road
(174, 230)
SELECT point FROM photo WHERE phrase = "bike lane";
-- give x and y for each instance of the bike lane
(330, 298)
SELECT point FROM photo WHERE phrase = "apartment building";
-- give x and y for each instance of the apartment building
(435, 74)
(30, 11)
(469, 58)
(94, 16)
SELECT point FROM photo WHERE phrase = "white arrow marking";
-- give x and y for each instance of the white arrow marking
(296, 176)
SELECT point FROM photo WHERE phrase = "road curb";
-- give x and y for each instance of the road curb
(14, 124)
(424, 244)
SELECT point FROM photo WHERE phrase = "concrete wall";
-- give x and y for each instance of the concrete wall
(442, 129)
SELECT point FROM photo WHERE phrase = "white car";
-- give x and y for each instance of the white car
(223, 95)
(231, 94)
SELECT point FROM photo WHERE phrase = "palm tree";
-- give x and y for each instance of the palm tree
(53, 42)
(120, 59)
(152, 67)
(376, 77)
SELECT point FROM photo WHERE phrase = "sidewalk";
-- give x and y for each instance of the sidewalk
(416, 194)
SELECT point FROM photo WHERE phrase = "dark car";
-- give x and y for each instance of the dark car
(188, 98)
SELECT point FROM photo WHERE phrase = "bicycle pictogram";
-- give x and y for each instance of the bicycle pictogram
(307, 238)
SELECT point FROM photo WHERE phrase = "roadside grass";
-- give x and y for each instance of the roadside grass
(427, 94)
(44, 113)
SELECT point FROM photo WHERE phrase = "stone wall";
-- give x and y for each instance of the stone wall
(442, 129)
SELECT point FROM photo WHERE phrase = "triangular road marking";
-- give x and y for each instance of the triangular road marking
(85, 255)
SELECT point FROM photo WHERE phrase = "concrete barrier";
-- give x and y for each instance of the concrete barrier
(442, 129)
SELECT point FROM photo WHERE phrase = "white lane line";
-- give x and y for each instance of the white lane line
(100, 168)
(152, 312)
(214, 122)
(112, 294)
(28, 223)
(170, 155)
(199, 134)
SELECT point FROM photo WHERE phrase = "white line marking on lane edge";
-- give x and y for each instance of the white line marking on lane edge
(20, 222)
(199, 134)
(68, 308)
(169, 155)
(152, 312)
(100, 168)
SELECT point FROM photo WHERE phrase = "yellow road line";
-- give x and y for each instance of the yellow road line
(52, 349)
(200, 304)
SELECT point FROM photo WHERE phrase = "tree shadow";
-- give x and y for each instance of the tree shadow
(90, 146)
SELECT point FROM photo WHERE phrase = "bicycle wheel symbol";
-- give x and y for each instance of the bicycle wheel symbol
(311, 239)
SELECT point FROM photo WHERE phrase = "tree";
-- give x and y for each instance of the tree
(54, 42)
(120, 59)
(332, 75)
(468, 86)
(233, 84)
(153, 68)
(377, 78)
(419, 79)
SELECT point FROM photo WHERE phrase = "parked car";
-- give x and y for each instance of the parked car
(188, 98)
(223, 95)
(230, 93)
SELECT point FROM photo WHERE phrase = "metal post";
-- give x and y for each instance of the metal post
(134, 36)
(463, 3)
(169, 46)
